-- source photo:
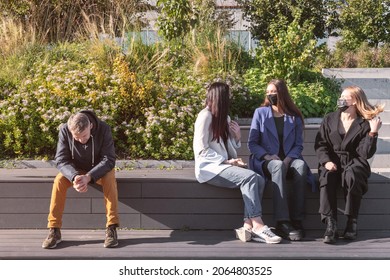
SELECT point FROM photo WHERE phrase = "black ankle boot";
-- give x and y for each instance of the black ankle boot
(297, 225)
(350, 232)
(331, 230)
(285, 230)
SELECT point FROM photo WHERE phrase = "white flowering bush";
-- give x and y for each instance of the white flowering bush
(151, 113)
(31, 113)
(168, 130)
(30, 117)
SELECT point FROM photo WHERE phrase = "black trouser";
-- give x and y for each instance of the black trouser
(353, 191)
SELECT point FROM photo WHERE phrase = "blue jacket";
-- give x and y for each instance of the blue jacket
(263, 140)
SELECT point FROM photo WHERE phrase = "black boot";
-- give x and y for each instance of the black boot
(331, 230)
(297, 225)
(350, 232)
(286, 231)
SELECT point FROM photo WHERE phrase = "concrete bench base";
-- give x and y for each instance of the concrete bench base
(163, 199)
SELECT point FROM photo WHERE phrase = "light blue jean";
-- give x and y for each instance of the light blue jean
(250, 183)
(297, 171)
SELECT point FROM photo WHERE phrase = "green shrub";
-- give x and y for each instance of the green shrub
(31, 115)
(289, 53)
(315, 95)
(169, 124)
(149, 118)
(316, 98)
(150, 102)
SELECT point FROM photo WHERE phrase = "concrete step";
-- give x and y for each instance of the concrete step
(385, 115)
(385, 101)
(384, 131)
(383, 146)
(348, 73)
(380, 160)
(374, 88)
(374, 81)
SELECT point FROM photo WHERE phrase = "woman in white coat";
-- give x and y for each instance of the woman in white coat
(216, 138)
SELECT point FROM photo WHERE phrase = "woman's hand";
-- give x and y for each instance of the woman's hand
(271, 157)
(375, 124)
(236, 162)
(330, 166)
(234, 129)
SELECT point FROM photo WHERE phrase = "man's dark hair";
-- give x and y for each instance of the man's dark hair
(78, 122)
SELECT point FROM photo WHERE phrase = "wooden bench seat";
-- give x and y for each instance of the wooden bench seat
(168, 199)
(163, 199)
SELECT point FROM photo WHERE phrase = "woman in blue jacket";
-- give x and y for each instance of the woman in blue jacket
(276, 144)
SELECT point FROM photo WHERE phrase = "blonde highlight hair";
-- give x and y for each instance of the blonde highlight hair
(363, 107)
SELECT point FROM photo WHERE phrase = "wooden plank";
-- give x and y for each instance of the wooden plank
(177, 244)
(193, 189)
(25, 189)
(128, 188)
(41, 205)
(175, 206)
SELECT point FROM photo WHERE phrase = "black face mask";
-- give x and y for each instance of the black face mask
(342, 104)
(273, 99)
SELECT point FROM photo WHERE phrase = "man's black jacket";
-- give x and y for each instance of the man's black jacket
(96, 157)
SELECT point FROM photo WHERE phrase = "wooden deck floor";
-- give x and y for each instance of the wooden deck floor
(168, 244)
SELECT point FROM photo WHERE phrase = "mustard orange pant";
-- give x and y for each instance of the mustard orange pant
(58, 198)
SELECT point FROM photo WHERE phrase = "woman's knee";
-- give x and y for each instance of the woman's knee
(299, 165)
(356, 173)
(251, 175)
(260, 180)
(277, 166)
(255, 178)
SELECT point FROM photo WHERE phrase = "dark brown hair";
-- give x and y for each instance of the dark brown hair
(285, 103)
(218, 102)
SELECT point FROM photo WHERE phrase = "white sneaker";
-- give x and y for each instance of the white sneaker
(266, 236)
(243, 234)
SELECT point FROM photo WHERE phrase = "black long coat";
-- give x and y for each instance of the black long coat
(350, 153)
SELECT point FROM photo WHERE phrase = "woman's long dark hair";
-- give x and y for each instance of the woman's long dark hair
(285, 103)
(218, 102)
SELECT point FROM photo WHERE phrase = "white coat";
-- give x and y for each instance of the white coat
(210, 155)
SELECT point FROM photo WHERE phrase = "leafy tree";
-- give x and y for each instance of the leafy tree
(290, 54)
(365, 21)
(176, 18)
(332, 23)
(209, 15)
(262, 13)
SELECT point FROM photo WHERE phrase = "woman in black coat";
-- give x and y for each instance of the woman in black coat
(346, 139)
